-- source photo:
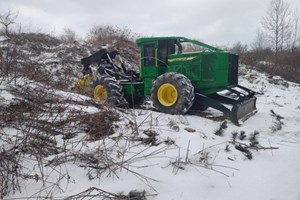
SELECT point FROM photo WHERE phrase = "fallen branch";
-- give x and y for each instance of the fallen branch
(258, 147)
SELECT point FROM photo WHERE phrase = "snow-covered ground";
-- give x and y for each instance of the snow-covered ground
(181, 158)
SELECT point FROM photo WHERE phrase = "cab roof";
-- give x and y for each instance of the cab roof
(144, 40)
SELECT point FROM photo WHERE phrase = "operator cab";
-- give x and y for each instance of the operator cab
(165, 48)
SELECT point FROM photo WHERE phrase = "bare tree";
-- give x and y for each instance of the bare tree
(260, 43)
(277, 24)
(239, 48)
(68, 36)
(295, 37)
(7, 19)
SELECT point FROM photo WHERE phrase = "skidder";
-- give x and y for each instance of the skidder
(176, 81)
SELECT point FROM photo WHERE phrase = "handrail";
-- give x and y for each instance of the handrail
(201, 44)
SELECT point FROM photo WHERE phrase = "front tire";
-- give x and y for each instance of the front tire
(172, 93)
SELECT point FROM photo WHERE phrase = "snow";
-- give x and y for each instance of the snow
(194, 165)
(5, 96)
(3, 39)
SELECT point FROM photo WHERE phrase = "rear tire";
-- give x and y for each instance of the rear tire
(107, 90)
(172, 93)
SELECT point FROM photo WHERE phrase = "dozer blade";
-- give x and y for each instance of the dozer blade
(242, 111)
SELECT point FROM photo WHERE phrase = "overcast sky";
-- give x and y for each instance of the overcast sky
(221, 22)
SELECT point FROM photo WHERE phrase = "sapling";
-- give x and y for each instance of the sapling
(242, 135)
(253, 139)
(221, 129)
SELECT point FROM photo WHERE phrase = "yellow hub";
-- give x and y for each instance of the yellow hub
(167, 94)
(84, 82)
(100, 93)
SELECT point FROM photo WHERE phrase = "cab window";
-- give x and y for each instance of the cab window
(165, 47)
(149, 55)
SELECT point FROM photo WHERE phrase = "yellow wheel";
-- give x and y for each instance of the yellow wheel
(100, 93)
(172, 93)
(107, 90)
(167, 94)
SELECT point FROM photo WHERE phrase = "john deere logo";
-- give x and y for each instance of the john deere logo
(180, 59)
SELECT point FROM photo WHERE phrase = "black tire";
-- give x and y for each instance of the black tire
(110, 90)
(179, 84)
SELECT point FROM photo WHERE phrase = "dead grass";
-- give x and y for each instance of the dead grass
(99, 125)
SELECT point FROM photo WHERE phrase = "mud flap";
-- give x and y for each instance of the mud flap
(241, 112)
